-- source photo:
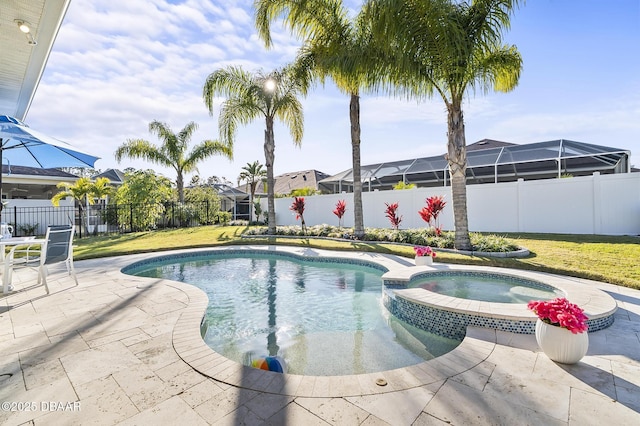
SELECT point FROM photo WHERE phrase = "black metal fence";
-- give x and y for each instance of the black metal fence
(113, 218)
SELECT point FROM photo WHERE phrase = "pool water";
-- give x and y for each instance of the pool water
(322, 318)
(487, 288)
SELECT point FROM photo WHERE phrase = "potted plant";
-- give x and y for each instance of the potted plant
(424, 255)
(561, 329)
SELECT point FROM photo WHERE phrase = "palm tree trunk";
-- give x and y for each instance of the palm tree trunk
(354, 117)
(252, 196)
(180, 185)
(84, 218)
(457, 158)
(269, 156)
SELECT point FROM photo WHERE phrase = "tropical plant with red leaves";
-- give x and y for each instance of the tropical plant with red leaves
(341, 207)
(391, 213)
(429, 214)
(298, 208)
(425, 214)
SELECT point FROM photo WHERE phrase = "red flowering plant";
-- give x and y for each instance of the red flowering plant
(341, 207)
(430, 213)
(424, 251)
(561, 313)
(390, 212)
(298, 207)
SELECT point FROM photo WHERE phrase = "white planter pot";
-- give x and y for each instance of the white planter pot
(424, 260)
(561, 345)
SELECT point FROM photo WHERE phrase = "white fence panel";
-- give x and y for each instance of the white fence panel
(557, 206)
(618, 198)
(493, 206)
(598, 204)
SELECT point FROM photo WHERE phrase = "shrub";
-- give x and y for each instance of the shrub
(430, 213)
(28, 229)
(491, 243)
(391, 213)
(184, 214)
(423, 237)
(298, 208)
(341, 208)
(222, 217)
(401, 185)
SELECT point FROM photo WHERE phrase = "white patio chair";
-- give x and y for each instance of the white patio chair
(57, 248)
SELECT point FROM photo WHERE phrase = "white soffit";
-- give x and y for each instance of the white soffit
(22, 63)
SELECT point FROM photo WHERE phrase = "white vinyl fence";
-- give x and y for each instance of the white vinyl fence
(598, 204)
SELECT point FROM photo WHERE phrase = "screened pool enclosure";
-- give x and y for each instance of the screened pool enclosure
(491, 162)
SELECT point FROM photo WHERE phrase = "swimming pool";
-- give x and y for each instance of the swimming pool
(324, 318)
(485, 287)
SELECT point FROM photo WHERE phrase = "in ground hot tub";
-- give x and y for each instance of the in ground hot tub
(408, 295)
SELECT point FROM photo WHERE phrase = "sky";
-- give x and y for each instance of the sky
(118, 65)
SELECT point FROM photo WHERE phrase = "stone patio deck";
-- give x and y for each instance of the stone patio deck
(104, 352)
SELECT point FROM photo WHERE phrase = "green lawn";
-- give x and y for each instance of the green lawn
(603, 258)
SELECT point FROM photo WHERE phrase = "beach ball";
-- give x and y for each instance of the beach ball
(270, 363)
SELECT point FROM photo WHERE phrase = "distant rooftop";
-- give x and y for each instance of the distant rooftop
(488, 144)
(34, 171)
(114, 175)
(287, 182)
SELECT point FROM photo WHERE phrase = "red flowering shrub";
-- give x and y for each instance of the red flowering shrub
(341, 207)
(298, 207)
(561, 313)
(430, 213)
(390, 212)
(425, 214)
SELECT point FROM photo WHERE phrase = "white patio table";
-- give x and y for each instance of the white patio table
(7, 258)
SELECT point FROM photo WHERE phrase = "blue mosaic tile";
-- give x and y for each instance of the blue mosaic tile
(454, 324)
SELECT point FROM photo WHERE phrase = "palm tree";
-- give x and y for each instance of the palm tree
(446, 48)
(252, 173)
(85, 192)
(337, 47)
(251, 95)
(101, 189)
(173, 151)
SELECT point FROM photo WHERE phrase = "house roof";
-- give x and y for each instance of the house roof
(114, 175)
(487, 144)
(287, 182)
(228, 191)
(493, 161)
(8, 170)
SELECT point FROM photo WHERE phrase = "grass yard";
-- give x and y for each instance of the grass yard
(614, 260)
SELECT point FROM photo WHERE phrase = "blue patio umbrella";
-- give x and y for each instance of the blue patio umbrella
(23, 146)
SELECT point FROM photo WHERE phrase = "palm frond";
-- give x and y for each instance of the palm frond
(143, 149)
(204, 150)
(306, 19)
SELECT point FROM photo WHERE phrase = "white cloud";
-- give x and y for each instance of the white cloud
(119, 64)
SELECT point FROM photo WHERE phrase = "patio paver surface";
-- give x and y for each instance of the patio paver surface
(104, 353)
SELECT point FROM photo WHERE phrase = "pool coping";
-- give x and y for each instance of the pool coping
(596, 303)
(476, 347)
